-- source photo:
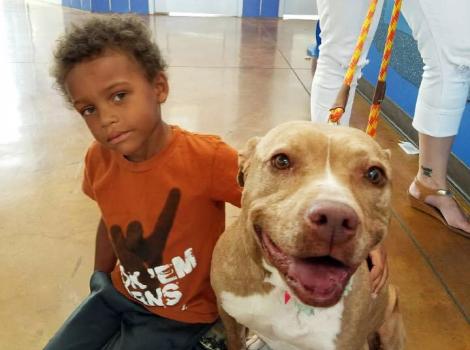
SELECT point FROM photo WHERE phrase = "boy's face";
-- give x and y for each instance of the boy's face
(118, 103)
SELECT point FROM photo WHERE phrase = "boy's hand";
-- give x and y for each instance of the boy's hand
(379, 270)
(137, 253)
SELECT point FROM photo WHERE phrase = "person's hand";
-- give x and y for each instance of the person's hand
(379, 269)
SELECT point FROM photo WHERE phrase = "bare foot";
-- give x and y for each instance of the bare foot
(446, 204)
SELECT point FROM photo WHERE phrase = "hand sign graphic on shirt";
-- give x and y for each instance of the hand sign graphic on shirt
(137, 253)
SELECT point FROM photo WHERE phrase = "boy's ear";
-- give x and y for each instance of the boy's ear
(160, 83)
(244, 159)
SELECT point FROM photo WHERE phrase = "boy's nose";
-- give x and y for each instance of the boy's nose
(108, 117)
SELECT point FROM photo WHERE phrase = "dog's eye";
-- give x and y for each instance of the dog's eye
(280, 161)
(375, 175)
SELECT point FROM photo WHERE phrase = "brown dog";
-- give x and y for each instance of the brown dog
(292, 267)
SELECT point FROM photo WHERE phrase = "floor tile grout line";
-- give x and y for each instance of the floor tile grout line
(293, 71)
(287, 61)
(426, 258)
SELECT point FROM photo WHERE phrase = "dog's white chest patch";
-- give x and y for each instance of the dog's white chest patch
(283, 322)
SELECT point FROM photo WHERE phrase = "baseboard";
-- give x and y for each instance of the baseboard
(458, 172)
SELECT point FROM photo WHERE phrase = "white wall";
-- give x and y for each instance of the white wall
(55, 2)
(298, 7)
(219, 7)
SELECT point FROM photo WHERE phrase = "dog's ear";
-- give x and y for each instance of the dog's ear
(244, 158)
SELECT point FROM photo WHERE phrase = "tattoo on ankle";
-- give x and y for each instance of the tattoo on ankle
(426, 171)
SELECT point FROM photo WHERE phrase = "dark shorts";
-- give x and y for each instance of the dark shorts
(106, 320)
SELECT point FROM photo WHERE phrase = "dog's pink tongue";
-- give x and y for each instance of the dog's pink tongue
(318, 276)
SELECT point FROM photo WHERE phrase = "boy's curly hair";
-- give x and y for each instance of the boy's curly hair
(124, 33)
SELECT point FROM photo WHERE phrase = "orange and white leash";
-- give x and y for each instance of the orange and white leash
(380, 88)
(337, 111)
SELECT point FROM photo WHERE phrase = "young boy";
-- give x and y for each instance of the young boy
(161, 191)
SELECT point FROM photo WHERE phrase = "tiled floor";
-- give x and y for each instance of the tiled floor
(230, 76)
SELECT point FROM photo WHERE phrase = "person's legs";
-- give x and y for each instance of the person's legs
(341, 23)
(143, 330)
(441, 28)
(93, 323)
(432, 173)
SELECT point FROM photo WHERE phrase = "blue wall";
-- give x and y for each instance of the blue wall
(260, 8)
(119, 6)
(404, 76)
(251, 8)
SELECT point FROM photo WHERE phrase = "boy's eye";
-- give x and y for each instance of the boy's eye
(119, 96)
(87, 111)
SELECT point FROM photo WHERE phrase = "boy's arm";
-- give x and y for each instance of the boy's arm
(105, 258)
(224, 186)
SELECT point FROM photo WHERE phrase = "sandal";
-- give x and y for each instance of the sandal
(419, 204)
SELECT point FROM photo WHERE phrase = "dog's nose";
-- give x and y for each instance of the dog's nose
(332, 221)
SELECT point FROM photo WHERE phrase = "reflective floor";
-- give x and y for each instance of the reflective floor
(230, 76)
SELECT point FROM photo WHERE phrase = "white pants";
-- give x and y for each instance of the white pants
(442, 29)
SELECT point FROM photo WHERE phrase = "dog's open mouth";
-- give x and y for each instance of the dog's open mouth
(316, 281)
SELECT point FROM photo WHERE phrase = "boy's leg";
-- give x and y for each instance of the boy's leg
(94, 322)
(143, 330)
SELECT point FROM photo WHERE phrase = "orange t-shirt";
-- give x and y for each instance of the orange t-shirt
(164, 216)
